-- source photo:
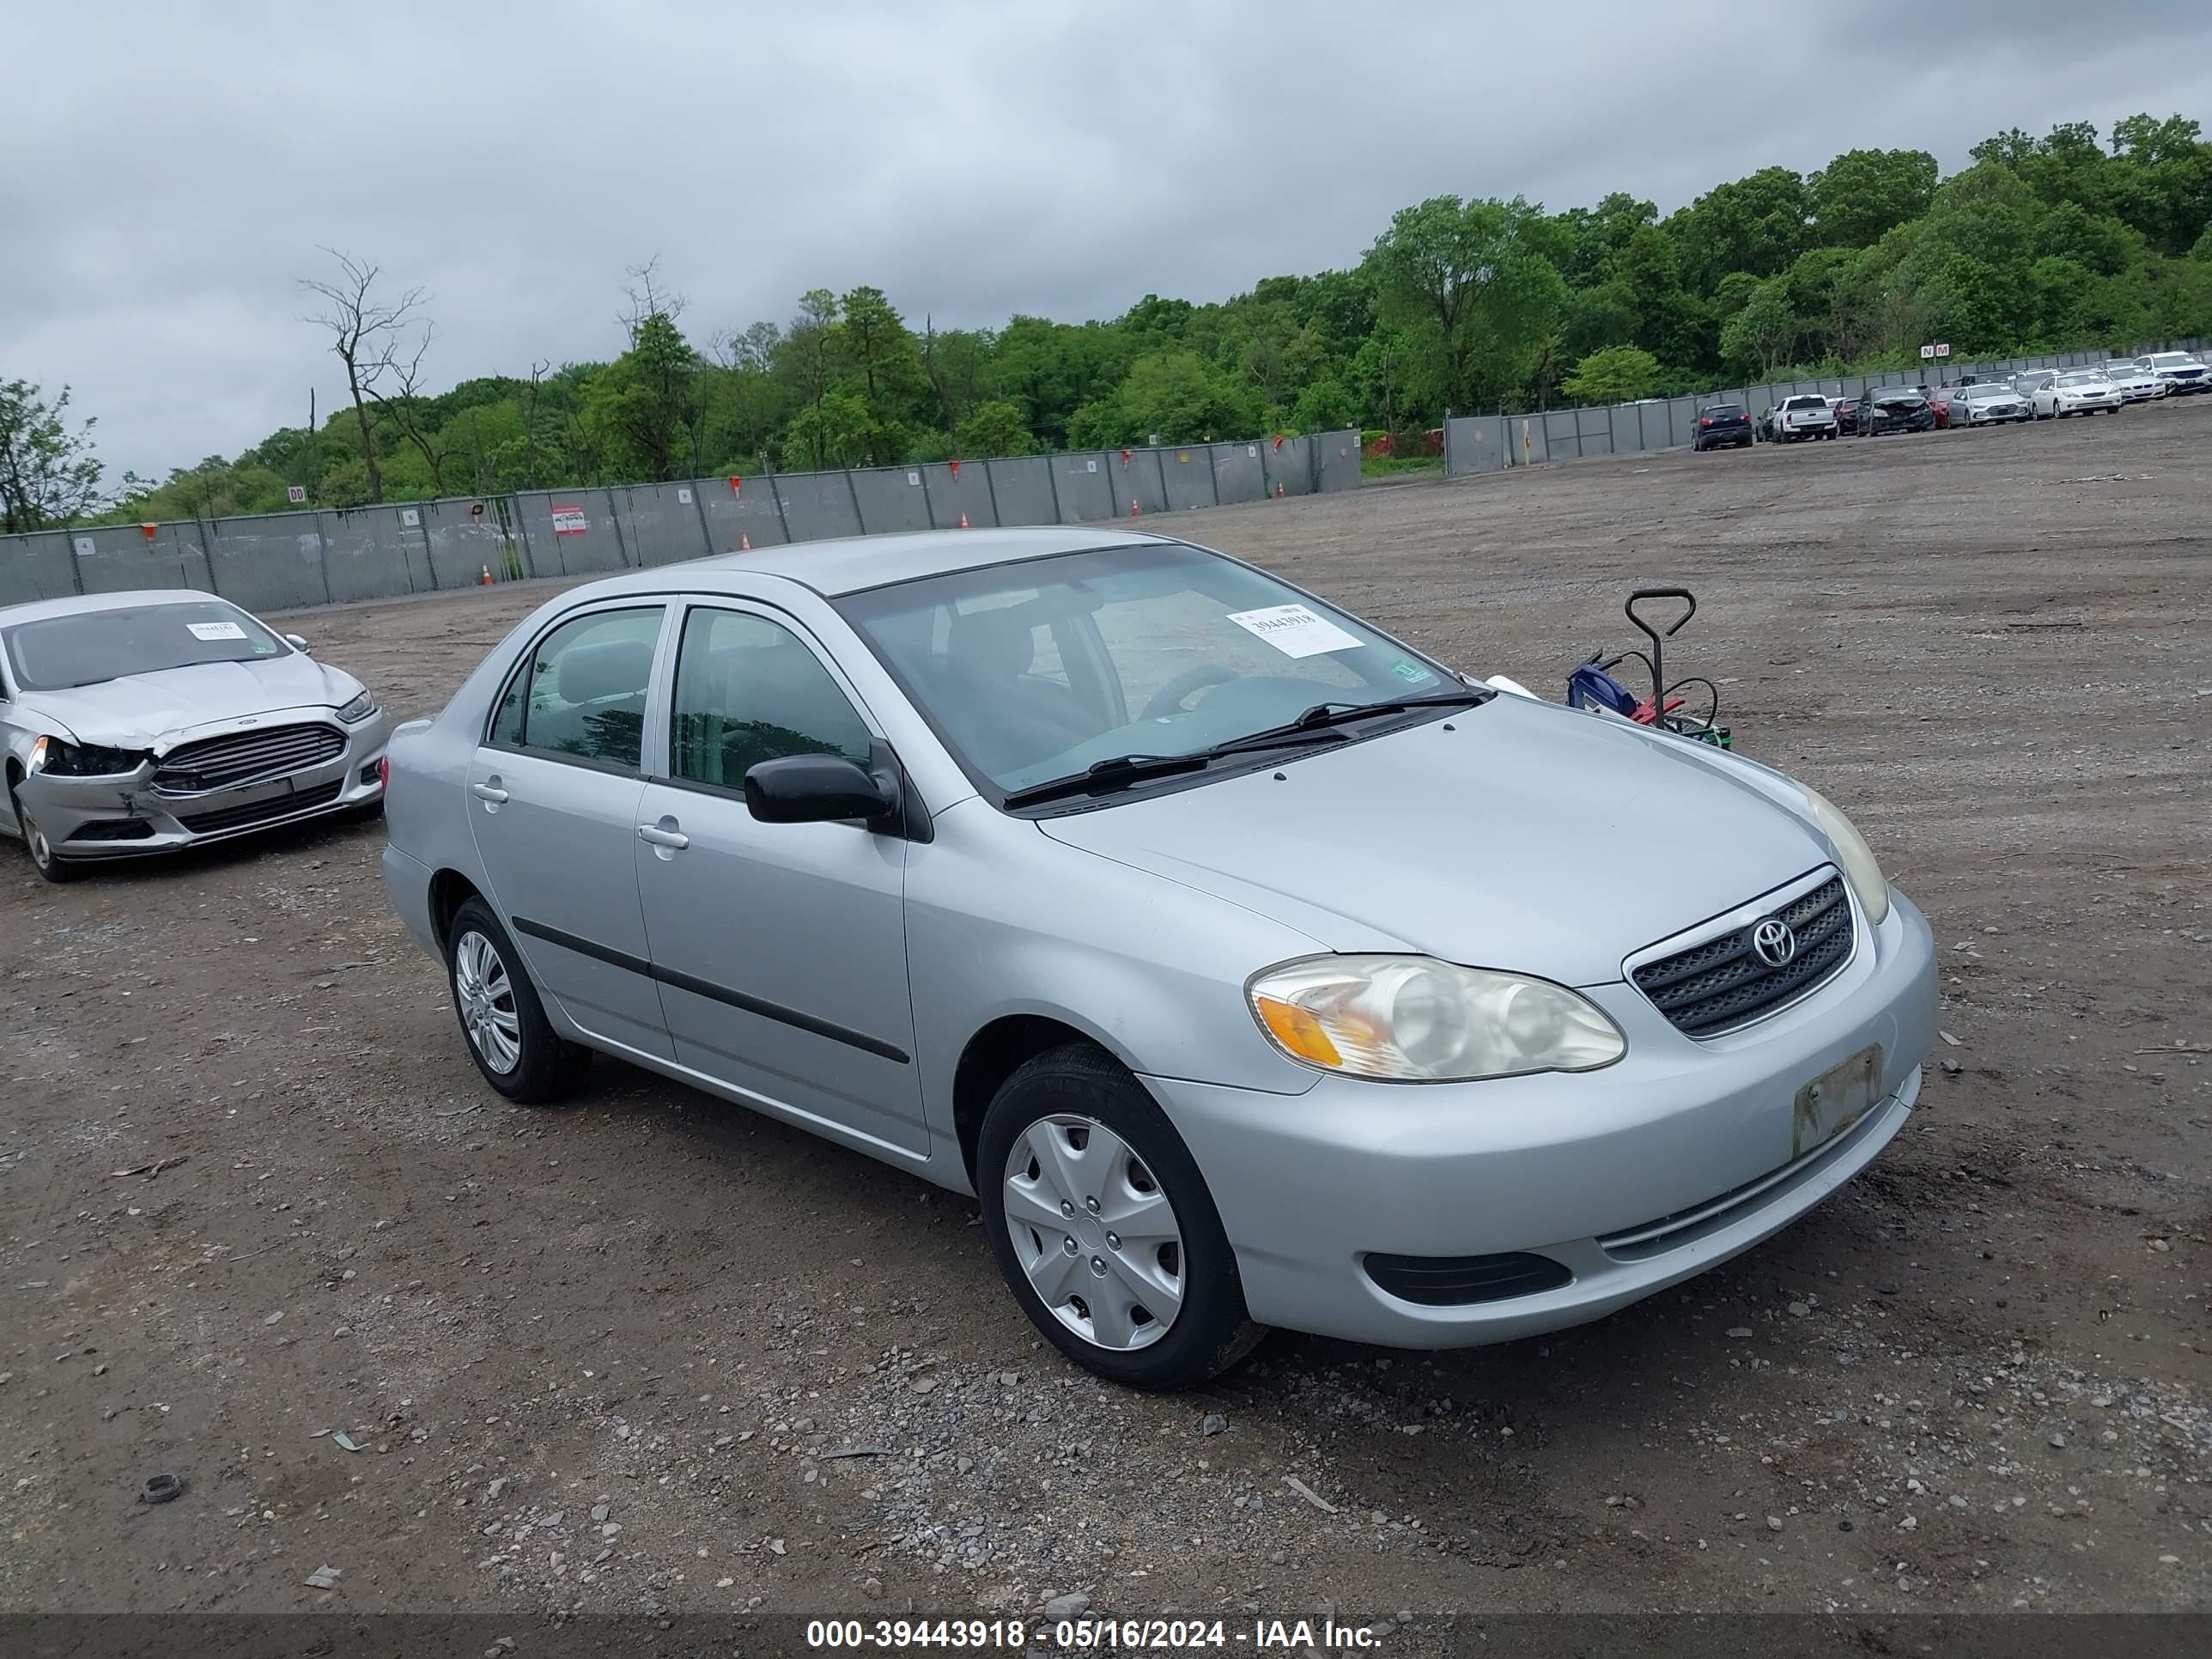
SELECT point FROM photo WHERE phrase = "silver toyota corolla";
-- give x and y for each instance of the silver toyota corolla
(1250, 966)
(135, 723)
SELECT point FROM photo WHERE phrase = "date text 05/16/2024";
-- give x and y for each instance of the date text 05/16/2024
(1092, 1635)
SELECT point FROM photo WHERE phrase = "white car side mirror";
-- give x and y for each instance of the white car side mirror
(299, 645)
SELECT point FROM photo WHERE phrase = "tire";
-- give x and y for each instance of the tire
(1078, 1093)
(543, 1065)
(48, 863)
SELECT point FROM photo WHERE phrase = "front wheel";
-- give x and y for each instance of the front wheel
(1103, 1227)
(48, 862)
(510, 1039)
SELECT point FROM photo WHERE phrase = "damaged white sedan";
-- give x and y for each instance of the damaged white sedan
(137, 723)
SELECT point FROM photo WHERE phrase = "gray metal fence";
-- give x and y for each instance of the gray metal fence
(292, 561)
(1489, 443)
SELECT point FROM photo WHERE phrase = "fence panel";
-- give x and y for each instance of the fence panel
(1239, 474)
(120, 558)
(892, 498)
(1138, 481)
(745, 512)
(368, 555)
(959, 490)
(271, 562)
(1287, 464)
(571, 532)
(1595, 427)
(1478, 444)
(817, 505)
(36, 567)
(660, 523)
(1022, 489)
(1653, 429)
(1561, 434)
(1188, 476)
(1337, 465)
(467, 540)
(1084, 484)
(1527, 443)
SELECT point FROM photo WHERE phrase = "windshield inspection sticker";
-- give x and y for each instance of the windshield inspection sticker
(1294, 630)
(1411, 672)
(216, 630)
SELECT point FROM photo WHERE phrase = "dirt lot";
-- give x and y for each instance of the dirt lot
(610, 1358)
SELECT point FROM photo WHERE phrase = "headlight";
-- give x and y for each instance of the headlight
(358, 710)
(1857, 858)
(83, 760)
(1413, 1019)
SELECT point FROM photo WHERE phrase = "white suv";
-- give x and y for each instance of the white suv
(2180, 371)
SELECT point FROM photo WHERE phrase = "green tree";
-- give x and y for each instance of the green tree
(641, 408)
(993, 428)
(1757, 224)
(836, 432)
(883, 367)
(1864, 192)
(1618, 374)
(1325, 405)
(1474, 284)
(1762, 336)
(49, 473)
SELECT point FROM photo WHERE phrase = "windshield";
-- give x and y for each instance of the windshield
(2082, 380)
(2173, 360)
(88, 646)
(1806, 402)
(1906, 396)
(1725, 411)
(1040, 669)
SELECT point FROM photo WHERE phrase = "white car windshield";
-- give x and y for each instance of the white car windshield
(2083, 380)
(89, 647)
(2173, 360)
(1806, 402)
(1040, 669)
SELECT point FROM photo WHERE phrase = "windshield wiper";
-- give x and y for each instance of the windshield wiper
(1115, 773)
(1319, 722)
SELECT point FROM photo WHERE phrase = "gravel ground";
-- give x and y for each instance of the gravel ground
(648, 1354)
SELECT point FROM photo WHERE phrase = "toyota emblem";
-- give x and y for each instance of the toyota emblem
(1774, 942)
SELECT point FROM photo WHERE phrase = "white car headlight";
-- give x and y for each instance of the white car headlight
(1860, 867)
(1414, 1019)
(358, 710)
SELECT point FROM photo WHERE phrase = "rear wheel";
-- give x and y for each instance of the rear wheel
(1103, 1227)
(48, 863)
(510, 1039)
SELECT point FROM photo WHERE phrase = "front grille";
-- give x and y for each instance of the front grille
(1715, 986)
(1459, 1281)
(243, 757)
(235, 817)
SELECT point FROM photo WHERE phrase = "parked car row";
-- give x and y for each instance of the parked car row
(2034, 395)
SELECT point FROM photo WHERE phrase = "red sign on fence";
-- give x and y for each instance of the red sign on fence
(569, 520)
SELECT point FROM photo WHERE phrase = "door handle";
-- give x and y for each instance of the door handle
(653, 835)
(490, 792)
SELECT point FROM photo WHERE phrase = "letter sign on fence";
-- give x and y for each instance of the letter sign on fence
(411, 518)
(296, 494)
(569, 521)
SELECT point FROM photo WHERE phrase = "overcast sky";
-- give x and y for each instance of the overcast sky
(168, 172)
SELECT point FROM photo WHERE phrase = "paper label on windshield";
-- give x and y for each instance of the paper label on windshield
(1294, 630)
(216, 630)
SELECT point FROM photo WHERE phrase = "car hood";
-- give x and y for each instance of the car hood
(1531, 837)
(151, 711)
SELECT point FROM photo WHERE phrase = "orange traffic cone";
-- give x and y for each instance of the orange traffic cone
(1133, 506)
(963, 520)
(1278, 489)
(744, 543)
(486, 582)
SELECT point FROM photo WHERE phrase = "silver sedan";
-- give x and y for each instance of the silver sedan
(1250, 966)
(136, 723)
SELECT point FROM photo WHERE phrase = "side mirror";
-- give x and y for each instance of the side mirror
(299, 644)
(818, 789)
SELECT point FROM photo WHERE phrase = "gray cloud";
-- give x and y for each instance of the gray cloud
(973, 160)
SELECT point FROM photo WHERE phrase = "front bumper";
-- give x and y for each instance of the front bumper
(127, 817)
(1632, 1179)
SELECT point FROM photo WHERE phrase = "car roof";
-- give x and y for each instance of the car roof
(850, 564)
(80, 604)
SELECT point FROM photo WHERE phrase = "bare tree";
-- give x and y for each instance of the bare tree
(403, 407)
(647, 298)
(364, 329)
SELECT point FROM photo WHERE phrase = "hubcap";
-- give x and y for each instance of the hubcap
(1094, 1232)
(486, 999)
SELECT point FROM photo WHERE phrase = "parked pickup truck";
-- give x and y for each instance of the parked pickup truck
(1805, 415)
